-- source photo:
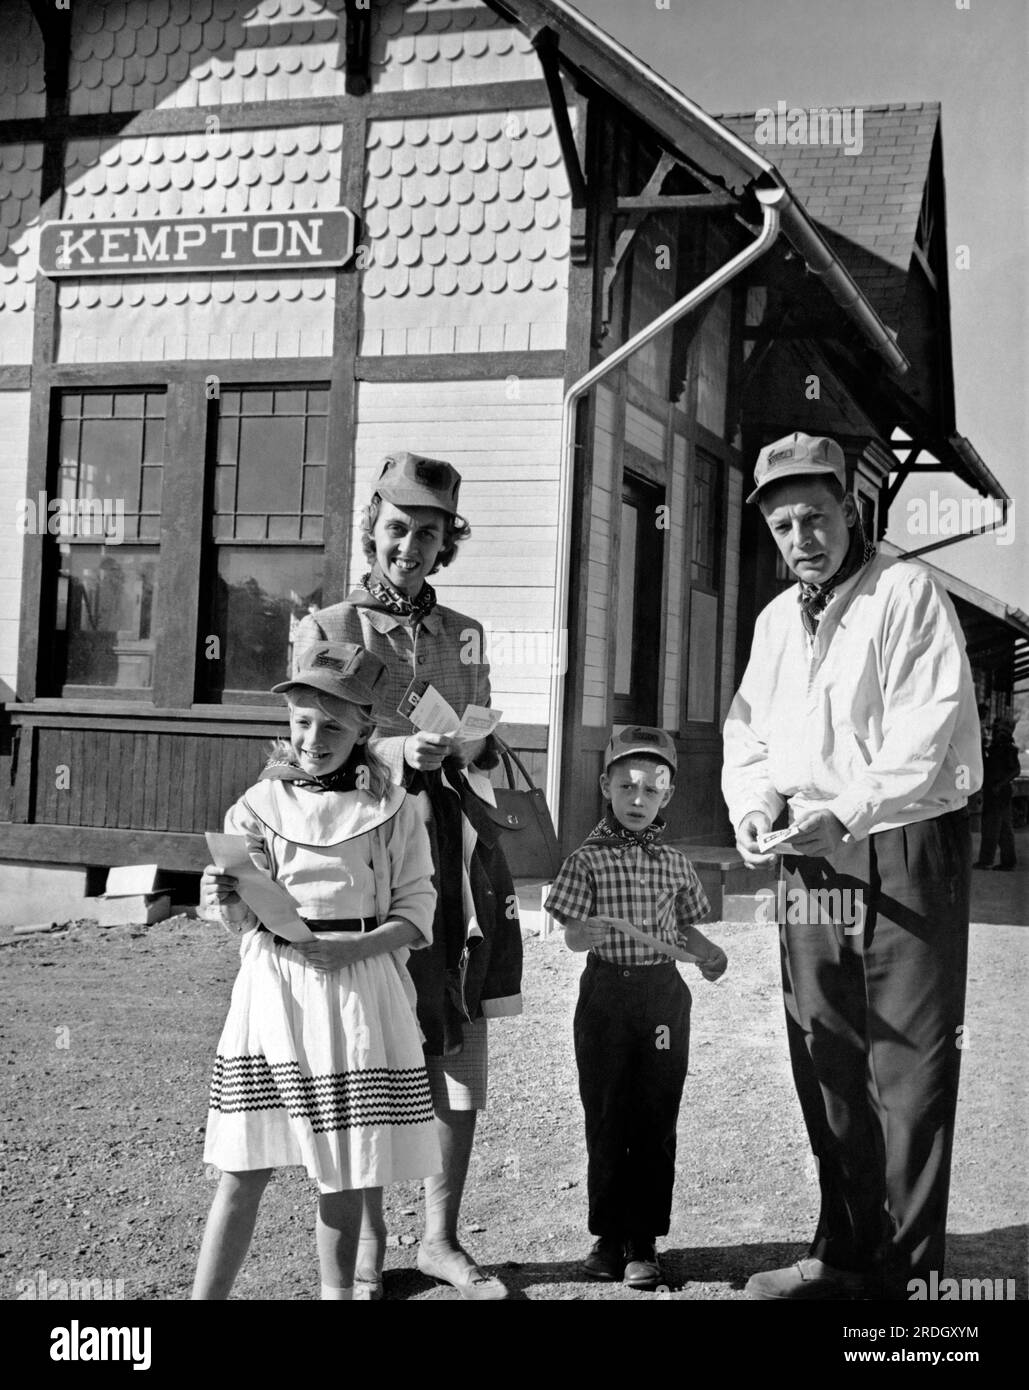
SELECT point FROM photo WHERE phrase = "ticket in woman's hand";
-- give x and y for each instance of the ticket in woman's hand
(775, 837)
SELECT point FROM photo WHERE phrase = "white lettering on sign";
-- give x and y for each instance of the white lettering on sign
(249, 241)
(151, 248)
(278, 233)
(228, 230)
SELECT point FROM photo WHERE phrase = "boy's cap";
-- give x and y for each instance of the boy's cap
(410, 480)
(798, 455)
(342, 669)
(638, 738)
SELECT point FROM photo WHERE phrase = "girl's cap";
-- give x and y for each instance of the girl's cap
(342, 669)
(411, 480)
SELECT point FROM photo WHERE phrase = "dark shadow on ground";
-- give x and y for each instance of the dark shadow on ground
(994, 1255)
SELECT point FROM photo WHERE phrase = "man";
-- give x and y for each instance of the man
(857, 714)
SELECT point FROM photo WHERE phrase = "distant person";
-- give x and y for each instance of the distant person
(320, 1060)
(1001, 768)
(632, 903)
(857, 715)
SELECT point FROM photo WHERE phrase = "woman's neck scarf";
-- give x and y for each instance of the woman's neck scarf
(283, 767)
(393, 601)
(814, 598)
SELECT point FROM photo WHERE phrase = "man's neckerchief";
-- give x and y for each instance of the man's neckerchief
(391, 600)
(614, 835)
(814, 598)
(283, 767)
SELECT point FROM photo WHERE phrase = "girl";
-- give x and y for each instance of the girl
(320, 1060)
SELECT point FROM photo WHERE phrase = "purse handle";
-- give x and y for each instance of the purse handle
(507, 756)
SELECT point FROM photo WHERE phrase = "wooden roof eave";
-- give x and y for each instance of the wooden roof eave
(591, 56)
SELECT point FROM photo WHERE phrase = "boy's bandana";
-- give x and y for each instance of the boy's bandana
(815, 598)
(618, 837)
(378, 586)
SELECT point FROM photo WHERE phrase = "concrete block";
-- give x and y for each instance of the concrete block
(36, 893)
(141, 909)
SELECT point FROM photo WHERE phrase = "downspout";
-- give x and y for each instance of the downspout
(770, 199)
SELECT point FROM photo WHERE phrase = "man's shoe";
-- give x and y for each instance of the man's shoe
(642, 1270)
(979, 865)
(606, 1260)
(1004, 868)
(806, 1279)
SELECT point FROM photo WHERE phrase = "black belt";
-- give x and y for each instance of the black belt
(333, 924)
(596, 962)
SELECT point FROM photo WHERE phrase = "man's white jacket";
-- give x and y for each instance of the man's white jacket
(873, 719)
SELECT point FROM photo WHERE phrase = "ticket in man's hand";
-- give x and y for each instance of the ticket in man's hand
(775, 837)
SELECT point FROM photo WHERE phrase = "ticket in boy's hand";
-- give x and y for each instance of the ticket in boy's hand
(775, 837)
(272, 904)
(645, 939)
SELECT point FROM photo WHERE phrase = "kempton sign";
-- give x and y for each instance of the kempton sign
(192, 245)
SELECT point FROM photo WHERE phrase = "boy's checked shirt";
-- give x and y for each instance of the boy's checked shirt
(621, 873)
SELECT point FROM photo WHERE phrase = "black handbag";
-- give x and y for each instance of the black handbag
(527, 831)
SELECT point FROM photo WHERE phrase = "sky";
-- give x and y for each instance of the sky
(738, 55)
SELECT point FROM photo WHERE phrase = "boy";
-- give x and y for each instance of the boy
(632, 1021)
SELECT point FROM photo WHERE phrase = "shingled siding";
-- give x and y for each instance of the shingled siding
(20, 166)
(467, 220)
(143, 54)
(445, 43)
(506, 448)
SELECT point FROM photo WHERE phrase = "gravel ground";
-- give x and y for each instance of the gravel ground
(109, 1037)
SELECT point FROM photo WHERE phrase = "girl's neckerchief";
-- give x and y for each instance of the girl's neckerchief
(393, 601)
(616, 836)
(282, 767)
(814, 598)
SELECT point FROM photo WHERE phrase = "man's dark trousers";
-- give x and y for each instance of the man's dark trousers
(632, 1039)
(874, 1014)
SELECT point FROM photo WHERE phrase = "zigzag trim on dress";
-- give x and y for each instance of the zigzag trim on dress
(336, 1100)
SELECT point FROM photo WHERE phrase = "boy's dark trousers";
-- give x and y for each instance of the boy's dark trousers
(632, 1042)
(874, 1014)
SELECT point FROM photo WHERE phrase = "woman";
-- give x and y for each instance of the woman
(411, 529)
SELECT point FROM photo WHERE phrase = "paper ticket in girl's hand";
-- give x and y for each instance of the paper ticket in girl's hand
(271, 903)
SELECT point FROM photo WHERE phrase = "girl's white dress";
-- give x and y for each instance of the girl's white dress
(325, 1068)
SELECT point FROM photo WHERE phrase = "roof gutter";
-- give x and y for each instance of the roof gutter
(804, 237)
(587, 48)
(708, 287)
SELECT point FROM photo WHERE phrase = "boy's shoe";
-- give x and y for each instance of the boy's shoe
(808, 1278)
(642, 1270)
(606, 1260)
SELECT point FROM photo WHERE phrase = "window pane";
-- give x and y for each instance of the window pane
(703, 648)
(315, 452)
(106, 597)
(109, 460)
(289, 402)
(259, 596)
(270, 452)
(104, 594)
(625, 620)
